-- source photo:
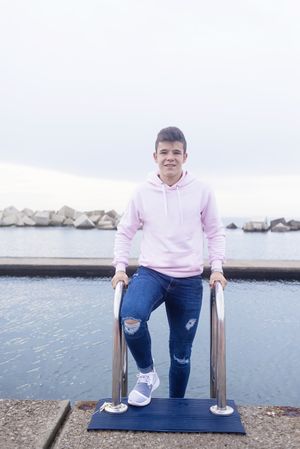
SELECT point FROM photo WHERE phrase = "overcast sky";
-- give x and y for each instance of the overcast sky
(86, 86)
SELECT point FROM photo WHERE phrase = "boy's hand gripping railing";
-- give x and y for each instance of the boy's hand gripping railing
(119, 362)
(218, 351)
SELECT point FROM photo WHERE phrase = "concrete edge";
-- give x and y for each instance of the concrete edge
(102, 267)
(58, 424)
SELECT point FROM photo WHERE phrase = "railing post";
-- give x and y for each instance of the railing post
(218, 351)
(213, 342)
(119, 362)
(124, 368)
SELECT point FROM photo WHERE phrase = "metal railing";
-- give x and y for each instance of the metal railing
(218, 351)
(217, 355)
(119, 361)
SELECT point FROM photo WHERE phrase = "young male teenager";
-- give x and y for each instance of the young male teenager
(175, 210)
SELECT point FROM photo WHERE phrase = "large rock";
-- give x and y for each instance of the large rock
(294, 225)
(9, 220)
(68, 222)
(17, 219)
(10, 211)
(28, 221)
(83, 222)
(275, 222)
(95, 218)
(256, 226)
(68, 212)
(28, 212)
(231, 226)
(57, 220)
(113, 214)
(42, 218)
(95, 212)
(280, 227)
(20, 220)
(106, 222)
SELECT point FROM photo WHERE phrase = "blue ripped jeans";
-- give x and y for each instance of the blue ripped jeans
(147, 290)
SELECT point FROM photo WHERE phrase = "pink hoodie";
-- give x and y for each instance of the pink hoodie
(174, 221)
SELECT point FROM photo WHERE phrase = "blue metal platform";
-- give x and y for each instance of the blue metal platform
(168, 415)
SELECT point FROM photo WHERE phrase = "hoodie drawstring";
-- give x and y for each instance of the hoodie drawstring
(178, 200)
(179, 205)
(165, 199)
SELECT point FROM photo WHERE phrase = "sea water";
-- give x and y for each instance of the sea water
(56, 341)
(70, 242)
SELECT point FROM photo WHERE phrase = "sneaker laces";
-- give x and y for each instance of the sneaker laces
(144, 378)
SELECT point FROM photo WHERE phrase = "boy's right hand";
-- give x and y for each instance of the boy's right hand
(119, 276)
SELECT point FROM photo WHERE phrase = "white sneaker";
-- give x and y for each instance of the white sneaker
(141, 393)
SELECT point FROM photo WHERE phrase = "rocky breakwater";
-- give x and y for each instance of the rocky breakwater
(277, 225)
(281, 225)
(66, 216)
(256, 226)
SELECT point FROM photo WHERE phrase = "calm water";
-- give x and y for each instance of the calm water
(62, 242)
(56, 341)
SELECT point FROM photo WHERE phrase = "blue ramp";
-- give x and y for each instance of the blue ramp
(168, 415)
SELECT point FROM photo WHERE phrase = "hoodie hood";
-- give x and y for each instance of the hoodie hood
(156, 182)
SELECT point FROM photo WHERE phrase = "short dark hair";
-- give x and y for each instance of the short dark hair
(170, 134)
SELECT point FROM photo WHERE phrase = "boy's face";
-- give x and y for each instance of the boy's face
(170, 157)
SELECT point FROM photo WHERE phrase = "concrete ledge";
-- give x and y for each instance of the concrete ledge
(101, 267)
(44, 424)
(30, 424)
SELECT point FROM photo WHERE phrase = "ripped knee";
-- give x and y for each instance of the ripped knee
(181, 361)
(131, 321)
(131, 326)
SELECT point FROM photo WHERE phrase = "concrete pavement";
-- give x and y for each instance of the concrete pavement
(34, 424)
(30, 424)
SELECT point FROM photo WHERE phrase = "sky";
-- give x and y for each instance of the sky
(86, 86)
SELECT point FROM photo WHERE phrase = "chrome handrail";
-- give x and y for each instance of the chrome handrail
(120, 358)
(217, 355)
(218, 351)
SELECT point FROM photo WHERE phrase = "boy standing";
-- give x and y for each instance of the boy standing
(175, 210)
